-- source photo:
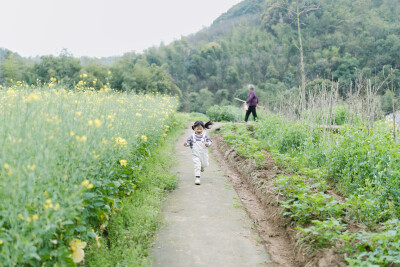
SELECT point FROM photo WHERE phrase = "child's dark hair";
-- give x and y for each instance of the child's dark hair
(200, 123)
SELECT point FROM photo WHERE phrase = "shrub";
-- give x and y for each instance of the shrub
(224, 113)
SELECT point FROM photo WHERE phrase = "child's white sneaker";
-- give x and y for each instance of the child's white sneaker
(197, 181)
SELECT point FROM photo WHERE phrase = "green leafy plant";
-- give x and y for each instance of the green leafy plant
(322, 233)
(224, 113)
(240, 138)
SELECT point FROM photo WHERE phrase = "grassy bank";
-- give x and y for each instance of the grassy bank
(127, 237)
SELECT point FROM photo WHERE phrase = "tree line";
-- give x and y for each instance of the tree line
(256, 41)
(126, 73)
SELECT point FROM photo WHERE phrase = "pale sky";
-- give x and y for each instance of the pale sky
(101, 27)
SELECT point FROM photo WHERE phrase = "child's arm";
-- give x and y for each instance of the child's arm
(189, 141)
(208, 141)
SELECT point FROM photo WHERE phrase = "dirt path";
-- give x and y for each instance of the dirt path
(206, 225)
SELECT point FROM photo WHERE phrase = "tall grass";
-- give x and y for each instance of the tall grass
(66, 158)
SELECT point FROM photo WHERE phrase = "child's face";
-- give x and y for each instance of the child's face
(198, 129)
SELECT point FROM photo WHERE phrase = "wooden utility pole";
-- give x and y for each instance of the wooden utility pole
(303, 75)
(393, 108)
(305, 9)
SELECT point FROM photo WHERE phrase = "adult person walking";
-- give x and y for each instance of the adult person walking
(252, 102)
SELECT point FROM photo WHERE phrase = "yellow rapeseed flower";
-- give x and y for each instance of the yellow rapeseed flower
(32, 97)
(98, 241)
(144, 138)
(31, 167)
(90, 123)
(90, 186)
(20, 216)
(77, 247)
(138, 115)
(35, 217)
(123, 162)
(71, 133)
(8, 168)
(48, 204)
(81, 139)
(85, 182)
(97, 123)
(56, 207)
(121, 141)
(95, 156)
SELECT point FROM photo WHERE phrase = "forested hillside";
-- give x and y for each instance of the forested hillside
(257, 42)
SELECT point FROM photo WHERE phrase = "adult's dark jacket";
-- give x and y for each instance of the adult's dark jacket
(252, 100)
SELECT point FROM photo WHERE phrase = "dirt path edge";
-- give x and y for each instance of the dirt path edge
(256, 190)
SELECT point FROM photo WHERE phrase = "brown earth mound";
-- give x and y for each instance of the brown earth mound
(256, 190)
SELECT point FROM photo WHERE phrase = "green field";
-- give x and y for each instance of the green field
(360, 164)
(67, 158)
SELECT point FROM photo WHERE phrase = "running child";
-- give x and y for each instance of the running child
(199, 142)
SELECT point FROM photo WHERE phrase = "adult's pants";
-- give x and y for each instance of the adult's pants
(251, 109)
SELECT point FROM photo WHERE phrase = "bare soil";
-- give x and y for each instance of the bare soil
(256, 191)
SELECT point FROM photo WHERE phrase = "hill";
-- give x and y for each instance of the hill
(257, 42)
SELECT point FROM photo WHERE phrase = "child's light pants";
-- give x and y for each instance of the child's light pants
(199, 156)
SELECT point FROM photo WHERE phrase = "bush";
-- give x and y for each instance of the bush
(225, 113)
(195, 116)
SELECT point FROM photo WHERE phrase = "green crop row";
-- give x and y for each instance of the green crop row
(67, 158)
(239, 137)
(352, 158)
(322, 221)
(362, 165)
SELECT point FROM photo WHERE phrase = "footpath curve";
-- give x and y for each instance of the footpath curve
(205, 225)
